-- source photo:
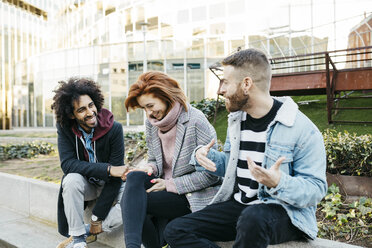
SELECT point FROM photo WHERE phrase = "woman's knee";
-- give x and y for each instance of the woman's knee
(136, 177)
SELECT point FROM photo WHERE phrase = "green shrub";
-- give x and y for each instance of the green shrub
(208, 106)
(135, 145)
(25, 150)
(348, 154)
(340, 220)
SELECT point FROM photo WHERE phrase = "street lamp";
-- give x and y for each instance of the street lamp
(144, 29)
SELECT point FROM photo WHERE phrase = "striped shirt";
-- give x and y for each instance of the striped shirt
(252, 144)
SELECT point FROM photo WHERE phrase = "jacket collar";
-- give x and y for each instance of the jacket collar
(285, 115)
(287, 112)
(185, 115)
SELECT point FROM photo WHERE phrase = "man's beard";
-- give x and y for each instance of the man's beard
(236, 101)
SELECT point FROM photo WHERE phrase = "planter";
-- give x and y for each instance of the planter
(351, 185)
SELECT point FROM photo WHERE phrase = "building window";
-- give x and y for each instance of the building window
(177, 66)
(183, 16)
(199, 14)
(217, 11)
(193, 66)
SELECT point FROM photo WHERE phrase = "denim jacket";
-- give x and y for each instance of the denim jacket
(303, 180)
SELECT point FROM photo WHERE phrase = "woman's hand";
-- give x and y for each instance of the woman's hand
(159, 185)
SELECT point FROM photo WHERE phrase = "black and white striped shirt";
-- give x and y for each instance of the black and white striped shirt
(252, 144)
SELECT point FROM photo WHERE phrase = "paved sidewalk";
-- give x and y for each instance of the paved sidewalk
(17, 230)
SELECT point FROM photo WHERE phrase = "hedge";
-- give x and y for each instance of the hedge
(208, 106)
(348, 154)
(25, 150)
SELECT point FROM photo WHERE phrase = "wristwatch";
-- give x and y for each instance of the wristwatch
(94, 218)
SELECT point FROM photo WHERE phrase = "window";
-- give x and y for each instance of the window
(177, 66)
(132, 67)
(183, 16)
(199, 14)
(217, 11)
(193, 65)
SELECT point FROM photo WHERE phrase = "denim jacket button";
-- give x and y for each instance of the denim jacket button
(188, 194)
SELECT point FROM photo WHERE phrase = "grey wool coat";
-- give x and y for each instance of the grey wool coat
(193, 129)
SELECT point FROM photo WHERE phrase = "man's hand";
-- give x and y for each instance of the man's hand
(118, 171)
(159, 185)
(201, 157)
(268, 177)
(145, 168)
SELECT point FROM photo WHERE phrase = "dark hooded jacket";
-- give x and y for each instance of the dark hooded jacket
(108, 144)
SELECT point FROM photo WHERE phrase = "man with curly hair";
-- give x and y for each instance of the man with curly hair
(91, 151)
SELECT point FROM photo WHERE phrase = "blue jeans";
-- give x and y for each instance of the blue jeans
(146, 214)
(250, 226)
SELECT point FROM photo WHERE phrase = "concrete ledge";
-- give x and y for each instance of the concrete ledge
(38, 200)
(318, 243)
(29, 196)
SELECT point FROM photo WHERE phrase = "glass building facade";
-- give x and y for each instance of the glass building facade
(113, 42)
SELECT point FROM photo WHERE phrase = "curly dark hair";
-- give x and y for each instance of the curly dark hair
(71, 91)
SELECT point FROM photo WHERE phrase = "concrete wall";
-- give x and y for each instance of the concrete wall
(28, 196)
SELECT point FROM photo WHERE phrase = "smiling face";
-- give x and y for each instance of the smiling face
(154, 107)
(85, 113)
(231, 89)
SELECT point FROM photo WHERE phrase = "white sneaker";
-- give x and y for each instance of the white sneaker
(81, 245)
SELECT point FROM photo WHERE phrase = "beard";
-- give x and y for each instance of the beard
(236, 101)
(84, 122)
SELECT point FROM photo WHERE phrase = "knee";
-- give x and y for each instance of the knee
(172, 231)
(135, 178)
(73, 182)
(251, 218)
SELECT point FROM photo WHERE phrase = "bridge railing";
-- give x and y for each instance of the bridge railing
(351, 58)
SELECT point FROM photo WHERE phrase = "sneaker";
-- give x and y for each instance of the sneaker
(80, 245)
(67, 243)
(91, 238)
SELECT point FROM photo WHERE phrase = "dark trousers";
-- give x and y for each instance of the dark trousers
(250, 226)
(146, 214)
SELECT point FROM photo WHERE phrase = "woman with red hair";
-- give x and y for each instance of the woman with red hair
(168, 186)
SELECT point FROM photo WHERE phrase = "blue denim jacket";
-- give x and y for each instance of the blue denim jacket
(303, 180)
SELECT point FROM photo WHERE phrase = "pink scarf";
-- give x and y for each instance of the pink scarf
(167, 133)
(168, 121)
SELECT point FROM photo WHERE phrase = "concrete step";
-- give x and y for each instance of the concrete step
(17, 230)
(29, 197)
(318, 243)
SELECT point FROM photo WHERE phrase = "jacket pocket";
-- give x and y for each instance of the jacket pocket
(274, 152)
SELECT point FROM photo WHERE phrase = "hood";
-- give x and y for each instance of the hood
(105, 121)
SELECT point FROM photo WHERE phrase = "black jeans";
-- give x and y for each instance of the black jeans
(250, 226)
(146, 214)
